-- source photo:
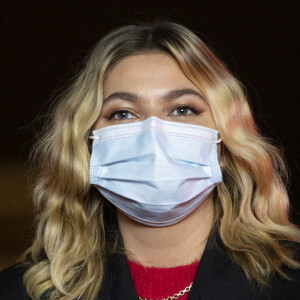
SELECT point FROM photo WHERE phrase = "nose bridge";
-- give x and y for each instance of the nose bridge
(152, 107)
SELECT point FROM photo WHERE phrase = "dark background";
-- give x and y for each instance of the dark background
(43, 43)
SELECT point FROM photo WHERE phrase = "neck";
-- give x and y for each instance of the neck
(176, 245)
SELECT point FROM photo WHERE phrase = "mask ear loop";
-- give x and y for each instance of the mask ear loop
(90, 142)
(222, 149)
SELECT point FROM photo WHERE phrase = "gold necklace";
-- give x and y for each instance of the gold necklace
(175, 296)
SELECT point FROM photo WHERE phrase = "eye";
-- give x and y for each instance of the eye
(183, 110)
(121, 115)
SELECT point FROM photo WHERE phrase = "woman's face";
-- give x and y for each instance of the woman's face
(146, 85)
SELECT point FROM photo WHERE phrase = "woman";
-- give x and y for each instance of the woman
(155, 183)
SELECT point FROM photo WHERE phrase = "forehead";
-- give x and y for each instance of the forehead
(146, 72)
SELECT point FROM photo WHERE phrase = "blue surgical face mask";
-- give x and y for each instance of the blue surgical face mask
(157, 172)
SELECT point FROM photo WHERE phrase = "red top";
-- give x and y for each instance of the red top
(158, 283)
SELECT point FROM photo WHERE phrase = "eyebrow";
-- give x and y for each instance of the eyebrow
(171, 95)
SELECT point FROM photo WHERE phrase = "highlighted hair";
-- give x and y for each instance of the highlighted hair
(67, 257)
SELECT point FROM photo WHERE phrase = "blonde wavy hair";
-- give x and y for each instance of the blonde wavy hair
(68, 255)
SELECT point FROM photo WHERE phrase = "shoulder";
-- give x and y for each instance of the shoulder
(291, 286)
(219, 275)
(11, 283)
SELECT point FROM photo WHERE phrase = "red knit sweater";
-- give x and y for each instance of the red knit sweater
(158, 283)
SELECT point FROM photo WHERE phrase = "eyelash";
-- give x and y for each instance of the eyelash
(185, 107)
(113, 114)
